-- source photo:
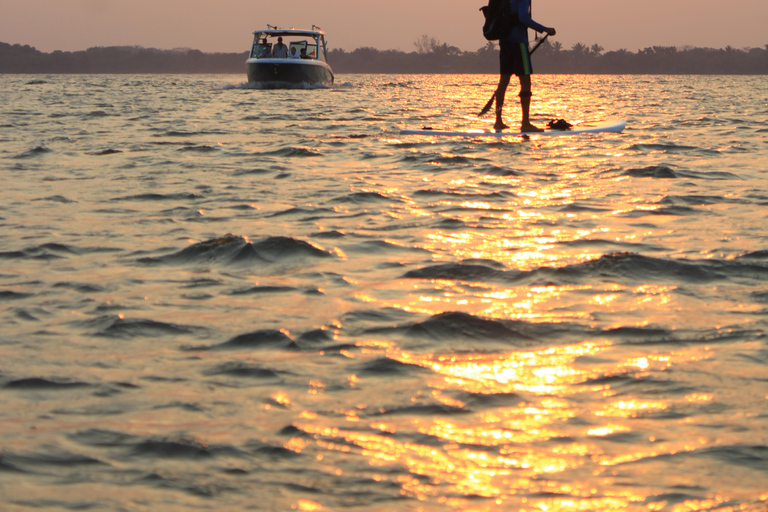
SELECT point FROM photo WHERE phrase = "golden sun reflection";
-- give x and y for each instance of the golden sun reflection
(554, 303)
(553, 416)
(306, 506)
(631, 408)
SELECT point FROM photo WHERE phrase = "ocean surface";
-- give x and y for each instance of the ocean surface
(220, 298)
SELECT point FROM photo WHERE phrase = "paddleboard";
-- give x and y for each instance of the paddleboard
(614, 126)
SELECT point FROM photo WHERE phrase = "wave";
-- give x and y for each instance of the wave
(41, 383)
(240, 369)
(34, 152)
(457, 325)
(10, 295)
(105, 152)
(232, 250)
(755, 255)
(698, 200)
(254, 172)
(600, 243)
(23, 314)
(316, 336)
(439, 160)
(438, 409)
(643, 333)
(273, 339)
(180, 448)
(464, 196)
(52, 251)
(668, 210)
(292, 152)
(663, 171)
(364, 197)
(622, 266)
(672, 149)
(112, 326)
(388, 367)
(636, 267)
(751, 456)
(182, 134)
(6, 466)
(80, 287)
(493, 170)
(381, 247)
(261, 339)
(577, 208)
(179, 196)
(464, 271)
(302, 211)
(654, 171)
(449, 224)
(202, 148)
(31, 462)
(98, 114)
(57, 199)
(273, 452)
(262, 290)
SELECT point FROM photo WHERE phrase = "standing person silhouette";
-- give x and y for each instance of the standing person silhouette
(280, 51)
(515, 59)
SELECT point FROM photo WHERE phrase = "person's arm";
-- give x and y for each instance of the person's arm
(523, 12)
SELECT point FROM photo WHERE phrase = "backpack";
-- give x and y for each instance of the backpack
(498, 20)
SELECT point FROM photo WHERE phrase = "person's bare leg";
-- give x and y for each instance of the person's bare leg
(501, 92)
(525, 105)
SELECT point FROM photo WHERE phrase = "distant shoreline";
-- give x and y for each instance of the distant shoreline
(437, 58)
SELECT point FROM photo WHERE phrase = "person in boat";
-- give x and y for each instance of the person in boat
(265, 53)
(515, 59)
(303, 54)
(293, 54)
(280, 51)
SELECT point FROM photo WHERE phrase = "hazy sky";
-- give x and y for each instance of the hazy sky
(226, 25)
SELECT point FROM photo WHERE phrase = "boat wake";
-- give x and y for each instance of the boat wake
(284, 85)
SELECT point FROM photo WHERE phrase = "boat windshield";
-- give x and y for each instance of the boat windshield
(264, 45)
(261, 50)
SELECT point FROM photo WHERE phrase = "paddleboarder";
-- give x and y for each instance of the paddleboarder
(515, 59)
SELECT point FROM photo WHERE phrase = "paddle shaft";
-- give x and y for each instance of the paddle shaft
(488, 105)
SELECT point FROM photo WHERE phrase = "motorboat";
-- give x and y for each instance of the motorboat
(288, 57)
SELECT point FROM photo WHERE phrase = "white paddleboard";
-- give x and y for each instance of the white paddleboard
(614, 126)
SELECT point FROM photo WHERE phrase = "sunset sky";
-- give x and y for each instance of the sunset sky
(226, 25)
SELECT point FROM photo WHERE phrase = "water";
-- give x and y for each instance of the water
(220, 298)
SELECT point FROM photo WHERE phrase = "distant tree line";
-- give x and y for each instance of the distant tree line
(434, 56)
(430, 56)
(118, 59)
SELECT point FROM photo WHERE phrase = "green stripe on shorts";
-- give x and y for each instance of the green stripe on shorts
(525, 57)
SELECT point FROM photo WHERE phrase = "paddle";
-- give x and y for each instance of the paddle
(538, 42)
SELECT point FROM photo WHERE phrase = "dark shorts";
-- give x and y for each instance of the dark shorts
(515, 59)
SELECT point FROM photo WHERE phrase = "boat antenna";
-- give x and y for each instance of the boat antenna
(315, 27)
(269, 27)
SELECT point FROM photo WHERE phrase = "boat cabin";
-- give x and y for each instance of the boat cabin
(309, 44)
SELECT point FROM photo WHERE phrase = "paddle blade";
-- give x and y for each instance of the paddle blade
(487, 106)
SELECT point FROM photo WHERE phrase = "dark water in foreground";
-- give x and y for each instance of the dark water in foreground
(217, 298)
